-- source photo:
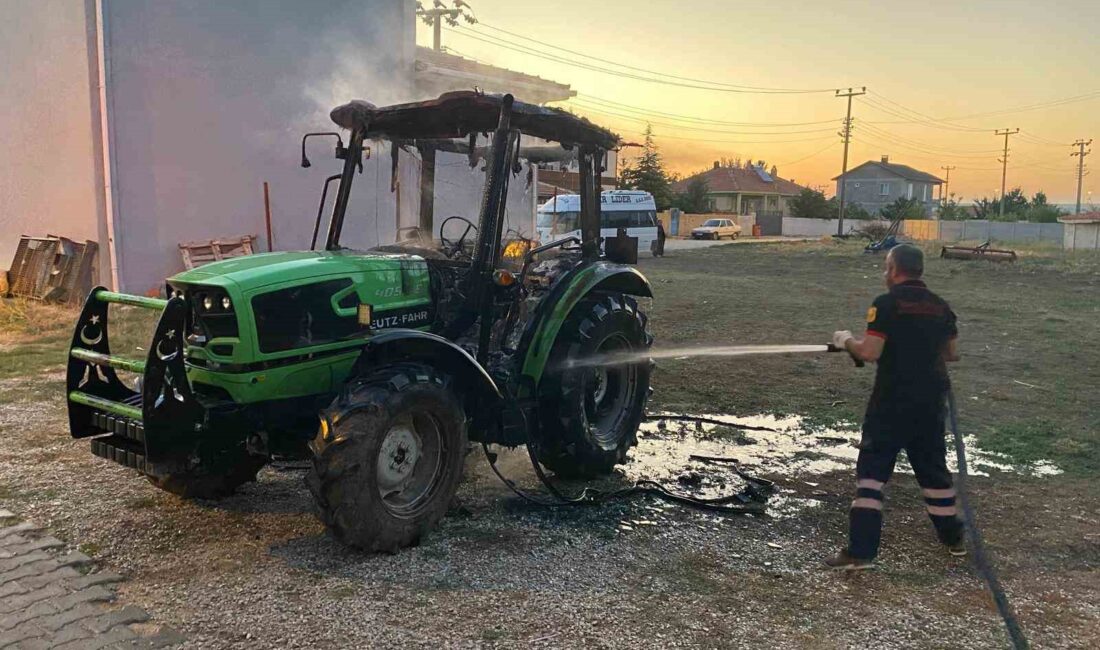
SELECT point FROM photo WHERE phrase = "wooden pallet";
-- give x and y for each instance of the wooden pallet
(197, 253)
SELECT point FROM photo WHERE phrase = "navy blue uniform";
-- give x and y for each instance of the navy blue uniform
(906, 412)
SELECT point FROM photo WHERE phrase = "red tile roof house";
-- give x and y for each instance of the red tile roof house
(744, 191)
(1081, 231)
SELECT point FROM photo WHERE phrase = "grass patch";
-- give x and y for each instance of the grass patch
(341, 593)
(35, 336)
(1028, 335)
(89, 548)
(141, 503)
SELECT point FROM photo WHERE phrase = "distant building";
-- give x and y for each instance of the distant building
(440, 72)
(1081, 231)
(737, 190)
(876, 184)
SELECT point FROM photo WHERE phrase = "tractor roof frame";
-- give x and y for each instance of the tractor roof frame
(460, 113)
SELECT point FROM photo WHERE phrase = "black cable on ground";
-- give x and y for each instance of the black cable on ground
(981, 558)
(592, 497)
(694, 418)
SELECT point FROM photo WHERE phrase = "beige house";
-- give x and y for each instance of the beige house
(736, 190)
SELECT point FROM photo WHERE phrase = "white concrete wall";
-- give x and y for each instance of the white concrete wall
(1081, 236)
(209, 99)
(48, 122)
(801, 227)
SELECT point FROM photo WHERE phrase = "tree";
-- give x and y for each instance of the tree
(648, 173)
(1018, 208)
(694, 198)
(1039, 211)
(853, 211)
(811, 204)
(904, 208)
(950, 210)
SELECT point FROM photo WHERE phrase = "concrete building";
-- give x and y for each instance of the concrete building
(1081, 231)
(141, 125)
(876, 184)
(752, 191)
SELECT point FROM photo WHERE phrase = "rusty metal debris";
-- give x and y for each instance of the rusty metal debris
(53, 269)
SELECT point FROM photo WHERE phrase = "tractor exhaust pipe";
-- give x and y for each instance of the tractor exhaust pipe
(480, 282)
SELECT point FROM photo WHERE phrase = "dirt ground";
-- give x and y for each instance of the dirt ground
(257, 570)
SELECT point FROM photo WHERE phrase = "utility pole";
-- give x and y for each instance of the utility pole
(1004, 166)
(846, 133)
(946, 183)
(1080, 153)
(435, 17)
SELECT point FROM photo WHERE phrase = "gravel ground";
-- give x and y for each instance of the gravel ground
(257, 570)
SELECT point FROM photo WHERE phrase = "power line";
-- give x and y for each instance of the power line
(670, 81)
(703, 120)
(675, 137)
(585, 55)
(924, 119)
(605, 111)
(816, 153)
(1091, 95)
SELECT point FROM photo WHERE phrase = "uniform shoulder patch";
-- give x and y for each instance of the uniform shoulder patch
(872, 314)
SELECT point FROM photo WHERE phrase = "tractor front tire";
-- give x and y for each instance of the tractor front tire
(235, 469)
(386, 471)
(589, 415)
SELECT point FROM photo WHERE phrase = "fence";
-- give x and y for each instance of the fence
(928, 230)
(680, 224)
(981, 230)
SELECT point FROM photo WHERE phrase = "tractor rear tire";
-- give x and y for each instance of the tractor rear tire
(386, 471)
(589, 416)
(203, 483)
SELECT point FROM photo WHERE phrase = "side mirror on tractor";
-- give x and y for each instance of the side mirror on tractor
(622, 248)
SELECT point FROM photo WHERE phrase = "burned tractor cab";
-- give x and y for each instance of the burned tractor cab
(382, 365)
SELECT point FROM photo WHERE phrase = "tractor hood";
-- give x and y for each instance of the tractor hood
(256, 271)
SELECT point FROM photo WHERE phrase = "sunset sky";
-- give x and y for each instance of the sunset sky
(942, 59)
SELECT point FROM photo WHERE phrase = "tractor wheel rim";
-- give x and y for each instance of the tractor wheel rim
(410, 464)
(609, 393)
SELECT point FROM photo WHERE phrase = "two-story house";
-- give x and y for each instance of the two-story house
(876, 184)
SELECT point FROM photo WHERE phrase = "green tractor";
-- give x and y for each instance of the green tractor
(382, 366)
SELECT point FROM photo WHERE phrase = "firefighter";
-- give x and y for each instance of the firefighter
(911, 333)
(659, 243)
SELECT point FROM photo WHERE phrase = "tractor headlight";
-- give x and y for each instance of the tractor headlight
(207, 303)
(226, 304)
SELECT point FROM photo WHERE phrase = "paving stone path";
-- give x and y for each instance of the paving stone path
(49, 600)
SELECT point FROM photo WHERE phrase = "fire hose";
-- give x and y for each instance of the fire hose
(981, 556)
(590, 496)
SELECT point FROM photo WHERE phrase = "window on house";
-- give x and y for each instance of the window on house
(909, 191)
(923, 192)
(884, 189)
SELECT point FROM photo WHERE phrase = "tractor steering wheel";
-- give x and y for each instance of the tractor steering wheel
(451, 248)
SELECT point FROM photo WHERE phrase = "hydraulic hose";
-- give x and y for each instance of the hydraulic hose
(981, 557)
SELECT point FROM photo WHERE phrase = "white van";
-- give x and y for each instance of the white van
(634, 210)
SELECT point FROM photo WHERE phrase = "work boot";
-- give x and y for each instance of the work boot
(844, 562)
(958, 549)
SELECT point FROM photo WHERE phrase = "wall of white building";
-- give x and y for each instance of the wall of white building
(49, 182)
(209, 99)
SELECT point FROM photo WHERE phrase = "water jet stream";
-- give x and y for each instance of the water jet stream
(639, 356)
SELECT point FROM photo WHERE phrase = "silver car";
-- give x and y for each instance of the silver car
(717, 229)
